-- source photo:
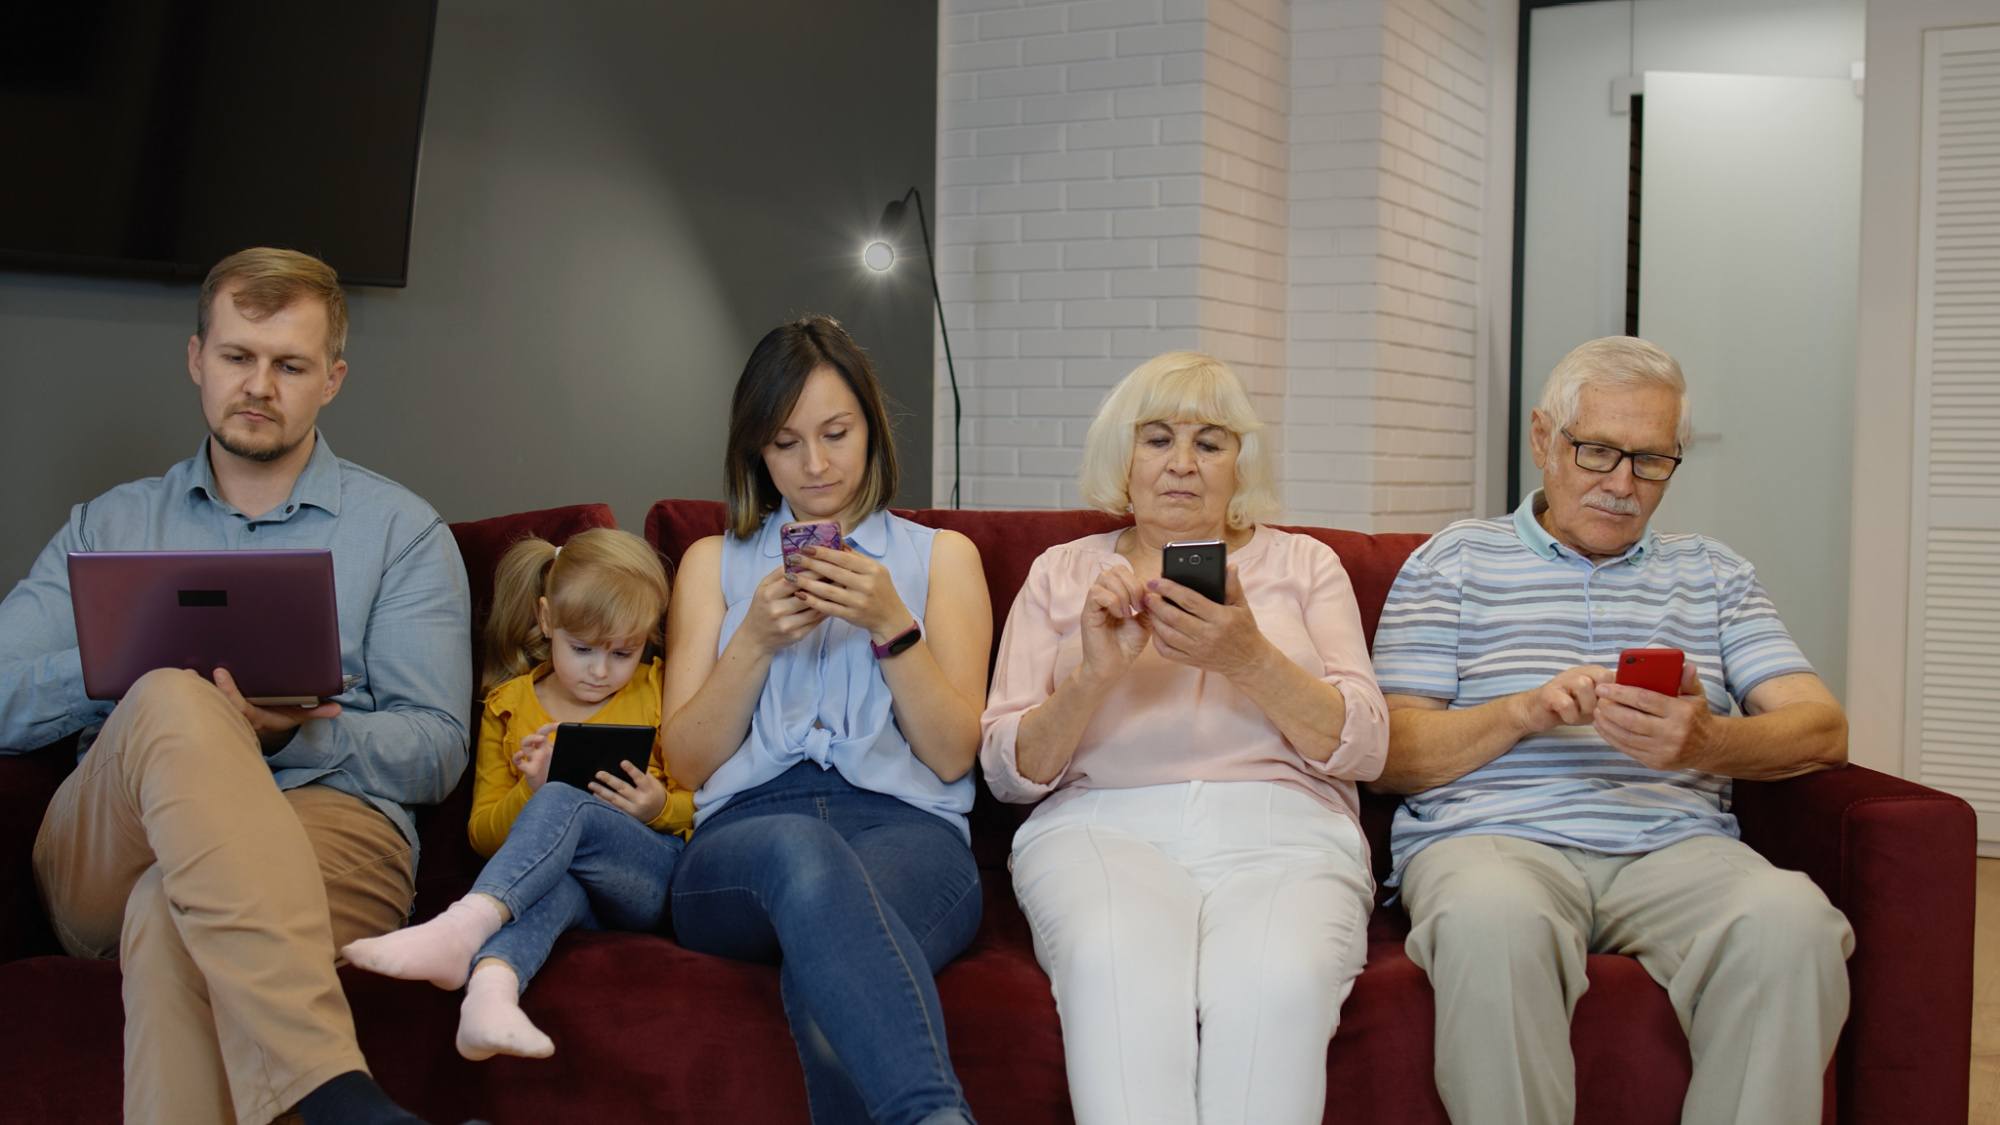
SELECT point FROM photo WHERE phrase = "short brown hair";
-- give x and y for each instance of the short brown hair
(268, 279)
(765, 395)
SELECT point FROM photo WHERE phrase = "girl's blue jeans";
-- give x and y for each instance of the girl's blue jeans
(572, 860)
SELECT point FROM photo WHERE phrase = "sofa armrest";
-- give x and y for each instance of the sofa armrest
(27, 781)
(1898, 859)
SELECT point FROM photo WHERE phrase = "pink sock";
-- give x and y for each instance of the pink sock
(439, 951)
(491, 1022)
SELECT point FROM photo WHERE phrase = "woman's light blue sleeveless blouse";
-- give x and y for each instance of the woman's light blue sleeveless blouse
(825, 700)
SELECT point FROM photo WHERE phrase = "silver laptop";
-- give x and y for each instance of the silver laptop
(268, 617)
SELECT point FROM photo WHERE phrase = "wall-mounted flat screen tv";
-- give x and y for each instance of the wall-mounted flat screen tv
(156, 136)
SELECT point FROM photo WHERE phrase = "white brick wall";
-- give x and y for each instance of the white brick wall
(1065, 166)
(1243, 186)
(1388, 116)
(1293, 185)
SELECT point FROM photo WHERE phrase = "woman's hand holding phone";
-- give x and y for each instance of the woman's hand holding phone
(853, 587)
(1115, 625)
(777, 617)
(1190, 629)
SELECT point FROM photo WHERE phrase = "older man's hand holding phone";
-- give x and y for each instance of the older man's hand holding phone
(1573, 697)
(1656, 710)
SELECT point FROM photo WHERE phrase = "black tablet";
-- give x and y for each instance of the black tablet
(582, 749)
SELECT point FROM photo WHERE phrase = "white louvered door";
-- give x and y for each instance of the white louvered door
(1952, 724)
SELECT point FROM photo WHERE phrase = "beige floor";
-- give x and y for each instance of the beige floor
(1986, 998)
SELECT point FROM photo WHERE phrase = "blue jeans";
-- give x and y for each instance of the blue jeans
(860, 898)
(571, 860)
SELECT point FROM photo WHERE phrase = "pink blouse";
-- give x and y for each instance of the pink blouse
(1166, 722)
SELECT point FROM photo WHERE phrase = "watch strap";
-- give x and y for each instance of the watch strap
(901, 642)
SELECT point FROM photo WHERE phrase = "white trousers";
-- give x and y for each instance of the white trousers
(1199, 938)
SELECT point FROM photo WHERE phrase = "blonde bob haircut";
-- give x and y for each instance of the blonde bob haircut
(1177, 387)
(1614, 362)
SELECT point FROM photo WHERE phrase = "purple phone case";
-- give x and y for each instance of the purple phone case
(795, 537)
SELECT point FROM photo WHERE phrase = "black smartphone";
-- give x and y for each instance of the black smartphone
(582, 749)
(1198, 564)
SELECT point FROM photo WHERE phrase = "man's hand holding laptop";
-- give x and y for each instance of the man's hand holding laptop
(274, 725)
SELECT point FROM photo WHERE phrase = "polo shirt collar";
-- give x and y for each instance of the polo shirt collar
(1537, 538)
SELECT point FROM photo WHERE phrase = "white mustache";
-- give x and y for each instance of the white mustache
(1616, 505)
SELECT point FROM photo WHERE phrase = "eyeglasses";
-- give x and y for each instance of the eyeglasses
(1600, 458)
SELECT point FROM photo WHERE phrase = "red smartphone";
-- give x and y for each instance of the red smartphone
(796, 537)
(1655, 669)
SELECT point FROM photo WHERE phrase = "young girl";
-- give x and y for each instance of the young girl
(566, 642)
(829, 718)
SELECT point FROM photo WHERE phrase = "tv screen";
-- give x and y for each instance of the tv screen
(157, 136)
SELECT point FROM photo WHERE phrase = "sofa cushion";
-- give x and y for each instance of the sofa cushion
(646, 1030)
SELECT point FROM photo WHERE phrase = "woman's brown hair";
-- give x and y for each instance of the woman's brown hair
(765, 394)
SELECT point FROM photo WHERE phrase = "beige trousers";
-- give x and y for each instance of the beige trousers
(1753, 958)
(224, 900)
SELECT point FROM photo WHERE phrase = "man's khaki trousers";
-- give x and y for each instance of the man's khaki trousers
(1752, 957)
(224, 900)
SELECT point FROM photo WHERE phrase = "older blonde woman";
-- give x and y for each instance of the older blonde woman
(1195, 875)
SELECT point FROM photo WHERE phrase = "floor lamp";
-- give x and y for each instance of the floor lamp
(880, 256)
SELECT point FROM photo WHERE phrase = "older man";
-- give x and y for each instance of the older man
(1553, 812)
(222, 850)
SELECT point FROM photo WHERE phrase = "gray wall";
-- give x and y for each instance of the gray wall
(615, 202)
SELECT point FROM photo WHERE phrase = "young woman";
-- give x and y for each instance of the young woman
(830, 718)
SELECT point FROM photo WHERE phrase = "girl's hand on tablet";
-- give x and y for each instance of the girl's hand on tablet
(641, 797)
(532, 759)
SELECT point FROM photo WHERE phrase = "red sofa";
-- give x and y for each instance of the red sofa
(649, 1032)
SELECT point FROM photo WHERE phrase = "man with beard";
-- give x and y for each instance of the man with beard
(222, 850)
(1553, 812)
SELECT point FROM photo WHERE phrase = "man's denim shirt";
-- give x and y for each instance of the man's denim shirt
(405, 633)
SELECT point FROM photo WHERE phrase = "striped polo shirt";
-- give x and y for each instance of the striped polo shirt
(1488, 608)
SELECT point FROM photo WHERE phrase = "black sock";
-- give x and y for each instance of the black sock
(352, 1099)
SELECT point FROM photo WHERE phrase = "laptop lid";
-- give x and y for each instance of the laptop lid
(269, 617)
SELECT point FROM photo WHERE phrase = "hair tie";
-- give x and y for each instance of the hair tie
(552, 558)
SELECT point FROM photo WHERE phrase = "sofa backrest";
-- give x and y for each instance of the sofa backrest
(483, 542)
(1009, 542)
(448, 864)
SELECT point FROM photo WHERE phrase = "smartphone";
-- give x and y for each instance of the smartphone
(1198, 564)
(794, 538)
(582, 749)
(1655, 669)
